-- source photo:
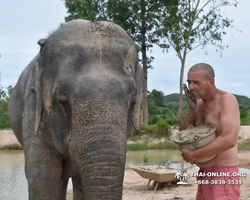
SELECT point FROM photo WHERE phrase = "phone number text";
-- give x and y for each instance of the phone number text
(218, 182)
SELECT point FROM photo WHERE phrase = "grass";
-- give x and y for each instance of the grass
(145, 158)
(145, 145)
(242, 146)
(137, 147)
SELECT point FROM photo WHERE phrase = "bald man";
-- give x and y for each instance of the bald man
(209, 105)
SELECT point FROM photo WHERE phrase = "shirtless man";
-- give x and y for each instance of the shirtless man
(209, 105)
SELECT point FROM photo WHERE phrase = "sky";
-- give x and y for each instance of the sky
(24, 22)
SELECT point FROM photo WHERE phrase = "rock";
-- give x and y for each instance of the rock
(8, 140)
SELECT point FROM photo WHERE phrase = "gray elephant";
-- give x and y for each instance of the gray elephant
(73, 109)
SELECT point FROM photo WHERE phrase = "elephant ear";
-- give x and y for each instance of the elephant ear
(33, 102)
(134, 68)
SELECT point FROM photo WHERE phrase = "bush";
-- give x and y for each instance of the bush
(145, 129)
(145, 158)
(4, 119)
(244, 117)
(162, 129)
(153, 119)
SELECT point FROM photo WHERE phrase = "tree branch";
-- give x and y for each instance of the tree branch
(209, 13)
(202, 8)
(189, 32)
(175, 48)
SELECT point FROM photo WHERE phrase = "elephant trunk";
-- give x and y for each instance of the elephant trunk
(98, 148)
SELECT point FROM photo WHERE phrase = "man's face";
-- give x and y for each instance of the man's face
(198, 83)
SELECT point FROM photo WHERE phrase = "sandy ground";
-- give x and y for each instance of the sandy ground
(8, 140)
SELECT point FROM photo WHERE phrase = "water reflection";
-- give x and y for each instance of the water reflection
(155, 157)
(13, 184)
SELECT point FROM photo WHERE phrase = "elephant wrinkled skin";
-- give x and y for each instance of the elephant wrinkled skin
(73, 109)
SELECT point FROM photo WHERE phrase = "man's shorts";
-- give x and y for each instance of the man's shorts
(223, 186)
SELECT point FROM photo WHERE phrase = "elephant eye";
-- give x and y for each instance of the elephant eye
(61, 96)
(62, 99)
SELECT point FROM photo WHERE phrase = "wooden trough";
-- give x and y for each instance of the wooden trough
(157, 174)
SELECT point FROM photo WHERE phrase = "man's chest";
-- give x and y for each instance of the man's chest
(209, 114)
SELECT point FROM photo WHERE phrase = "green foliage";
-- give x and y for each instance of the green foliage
(165, 145)
(4, 119)
(157, 97)
(172, 98)
(153, 119)
(245, 117)
(145, 158)
(160, 129)
(152, 107)
(146, 146)
(159, 110)
(4, 99)
(196, 23)
(244, 102)
(137, 147)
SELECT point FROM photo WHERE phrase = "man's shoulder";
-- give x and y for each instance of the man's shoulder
(227, 98)
(224, 95)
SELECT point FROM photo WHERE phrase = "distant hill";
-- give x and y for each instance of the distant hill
(174, 97)
(244, 101)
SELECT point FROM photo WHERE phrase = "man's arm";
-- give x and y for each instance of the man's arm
(189, 119)
(229, 127)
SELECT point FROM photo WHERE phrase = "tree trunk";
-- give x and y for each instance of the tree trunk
(144, 61)
(180, 113)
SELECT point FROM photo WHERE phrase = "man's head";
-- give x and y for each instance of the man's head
(200, 79)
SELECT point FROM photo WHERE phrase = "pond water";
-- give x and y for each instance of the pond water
(13, 184)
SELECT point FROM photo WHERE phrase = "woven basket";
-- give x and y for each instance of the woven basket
(196, 137)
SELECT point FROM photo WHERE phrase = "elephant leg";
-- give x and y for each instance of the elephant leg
(77, 188)
(43, 168)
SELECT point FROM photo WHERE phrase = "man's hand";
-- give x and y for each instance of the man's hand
(187, 155)
(192, 102)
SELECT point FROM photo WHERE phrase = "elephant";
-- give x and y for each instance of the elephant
(73, 109)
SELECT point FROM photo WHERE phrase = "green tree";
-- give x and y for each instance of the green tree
(152, 107)
(157, 97)
(193, 24)
(140, 18)
(4, 99)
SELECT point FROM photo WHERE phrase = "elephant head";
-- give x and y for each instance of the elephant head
(83, 97)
